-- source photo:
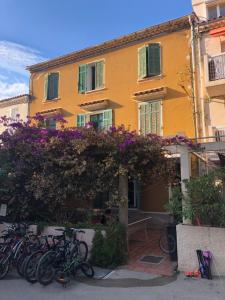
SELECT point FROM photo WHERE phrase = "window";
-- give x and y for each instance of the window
(14, 113)
(212, 12)
(50, 123)
(150, 117)
(216, 11)
(149, 61)
(91, 77)
(52, 86)
(101, 119)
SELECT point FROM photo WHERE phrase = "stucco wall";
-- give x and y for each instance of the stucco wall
(121, 82)
(191, 238)
(22, 111)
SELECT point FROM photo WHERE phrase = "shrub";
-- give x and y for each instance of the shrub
(174, 206)
(109, 250)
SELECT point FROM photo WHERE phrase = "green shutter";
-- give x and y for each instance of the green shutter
(99, 69)
(50, 123)
(82, 82)
(81, 120)
(142, 117)
(46, 87)
(154, 59)
(53, 84)
(150, 118)
(142, 62)
(107, 119)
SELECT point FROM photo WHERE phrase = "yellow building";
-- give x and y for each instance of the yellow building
(141, 80)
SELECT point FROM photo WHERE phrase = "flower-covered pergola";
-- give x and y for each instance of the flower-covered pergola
(48, 168)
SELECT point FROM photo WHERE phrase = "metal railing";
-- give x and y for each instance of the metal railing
(217, 67)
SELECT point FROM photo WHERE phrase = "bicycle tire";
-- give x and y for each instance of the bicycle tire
(20, 263)
(87, 269)
(167, 243)
(45, 269)
(80, 251)
(30, 268)
(4, 265)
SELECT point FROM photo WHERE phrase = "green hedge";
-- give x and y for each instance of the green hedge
(109, 251)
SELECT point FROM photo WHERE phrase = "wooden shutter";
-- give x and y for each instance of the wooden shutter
(142, 118)
(50, 123)
(99, 69)
(107, 119)
(150, 118)
(82, 81)
(142, 62)
(13, 113)
(154, 60)
(46, 87)
(53, 84)
(81, 120)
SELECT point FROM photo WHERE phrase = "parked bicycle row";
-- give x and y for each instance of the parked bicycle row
(43, 258)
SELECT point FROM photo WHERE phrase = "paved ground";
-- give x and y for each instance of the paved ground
(122, 284)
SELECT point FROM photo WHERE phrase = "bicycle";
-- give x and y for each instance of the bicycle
(167, 242)
(53, 260)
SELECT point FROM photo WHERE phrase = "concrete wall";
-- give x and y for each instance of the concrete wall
(191, 238)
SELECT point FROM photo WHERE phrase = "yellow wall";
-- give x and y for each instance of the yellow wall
(121, 81)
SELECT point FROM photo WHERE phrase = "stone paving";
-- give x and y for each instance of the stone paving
(139, 247)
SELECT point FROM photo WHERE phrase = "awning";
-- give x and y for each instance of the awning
(151, 94)
(217, 32)
(95, 105)
(52, 111)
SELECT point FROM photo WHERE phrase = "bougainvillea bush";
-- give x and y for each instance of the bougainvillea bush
(48, 169)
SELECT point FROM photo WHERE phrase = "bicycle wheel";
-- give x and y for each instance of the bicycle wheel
(20, 263)
(30, 268)
(45, 268)
(80, 251)
(87, 269)
(4, 265)
(167, 243)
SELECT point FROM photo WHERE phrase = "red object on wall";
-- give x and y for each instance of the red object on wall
(217, 32)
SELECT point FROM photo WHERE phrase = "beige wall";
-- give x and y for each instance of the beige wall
(6, 111)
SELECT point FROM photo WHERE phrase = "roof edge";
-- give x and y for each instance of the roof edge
(120, 42)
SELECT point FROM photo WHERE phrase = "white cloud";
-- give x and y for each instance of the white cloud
(8, 90)
(15, 57)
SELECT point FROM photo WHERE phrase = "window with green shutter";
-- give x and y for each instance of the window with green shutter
(81, 120)
(52, 86)
(150, 117)
(149, 61)
(91, 77)
(50, 123)
(82, 78)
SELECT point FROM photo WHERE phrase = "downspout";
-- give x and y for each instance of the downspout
(201, 86)
(193, 79)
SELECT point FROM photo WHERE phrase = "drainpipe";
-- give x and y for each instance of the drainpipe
(201, 88)
(193, 79)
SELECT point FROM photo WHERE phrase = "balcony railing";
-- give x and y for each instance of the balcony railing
(217, 67)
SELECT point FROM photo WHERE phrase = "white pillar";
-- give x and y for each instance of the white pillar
(185, 165)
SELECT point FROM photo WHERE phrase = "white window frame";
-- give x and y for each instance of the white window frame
(88, 79)
(217, 9)
(161, 114)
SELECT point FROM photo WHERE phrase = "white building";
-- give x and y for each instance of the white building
(209, 43)
(14, 106)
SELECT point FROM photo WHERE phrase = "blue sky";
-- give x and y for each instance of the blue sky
(34, 30)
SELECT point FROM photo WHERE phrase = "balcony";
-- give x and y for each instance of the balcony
(215, 75)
